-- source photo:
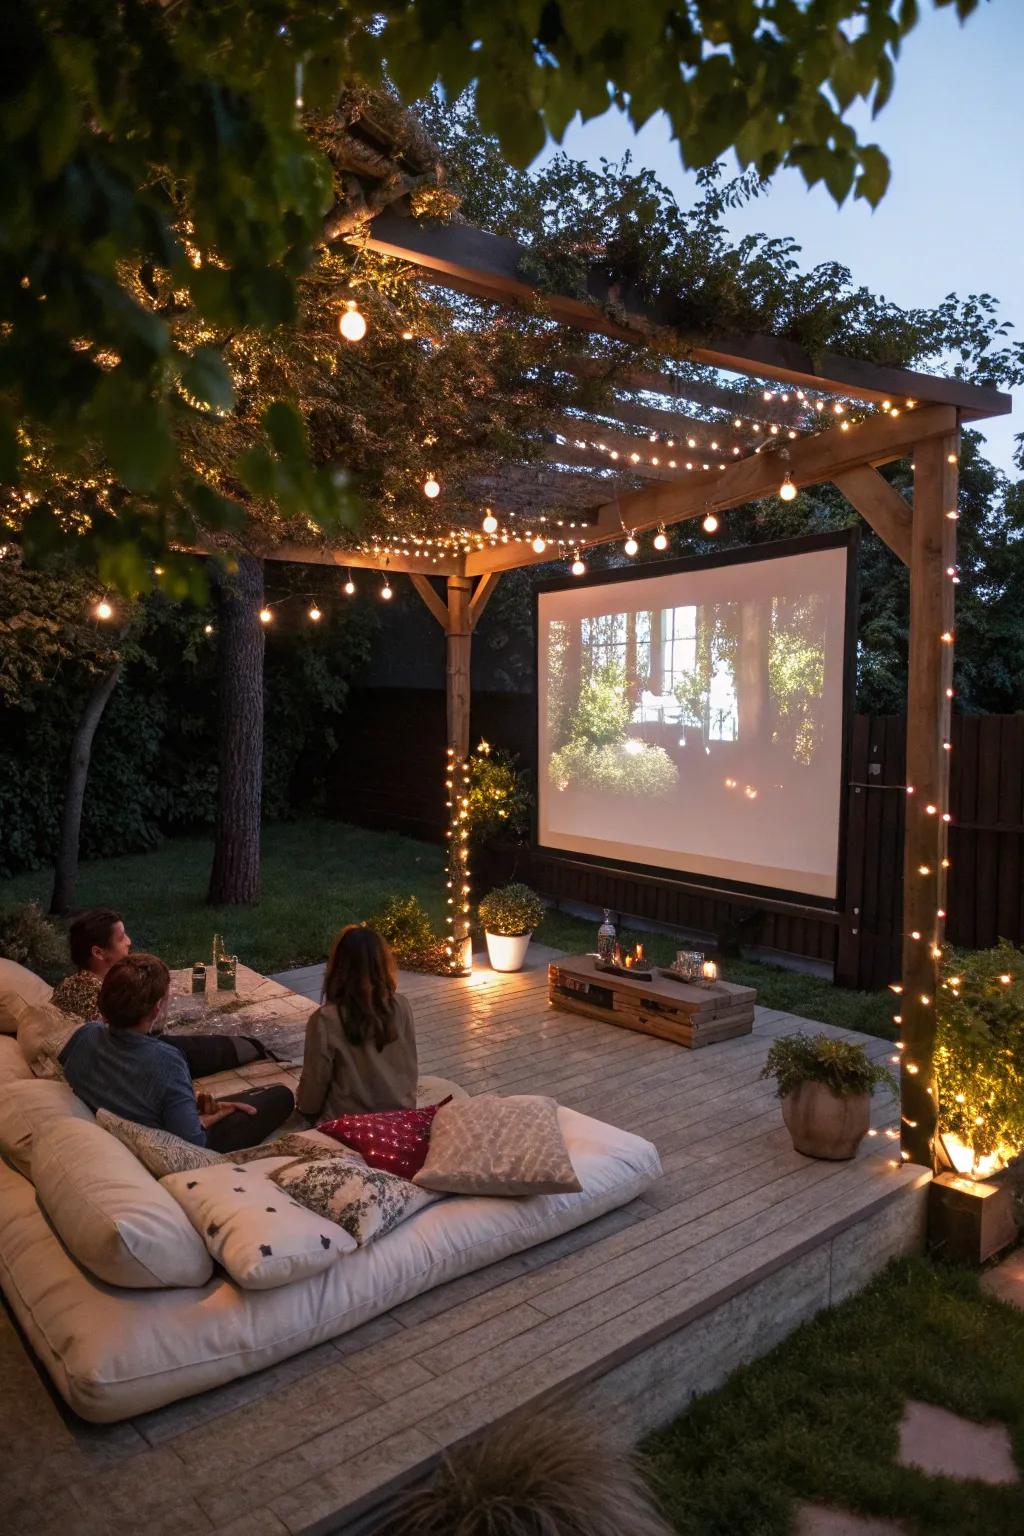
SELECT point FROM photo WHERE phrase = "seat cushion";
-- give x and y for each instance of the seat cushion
(489, 1145)
(26, 1110)
(113, 1216)
(114, 1353)
(18, 984)
(259, 1234)
(367, 1202)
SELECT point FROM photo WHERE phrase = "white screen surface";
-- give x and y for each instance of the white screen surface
(693, 721)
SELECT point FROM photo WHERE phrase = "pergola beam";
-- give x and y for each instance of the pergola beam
(366, 560)
(881, 507)
(715, 396)
(490, 267)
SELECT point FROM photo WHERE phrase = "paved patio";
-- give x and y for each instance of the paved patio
(741, 1241)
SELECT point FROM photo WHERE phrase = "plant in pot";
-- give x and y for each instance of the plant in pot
(979, 1060)
(825, 1086)
(509, 915)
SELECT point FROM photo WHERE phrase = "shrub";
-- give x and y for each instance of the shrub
(511, 910)
(30, 938)
(406, 925)
(979, 1059)
(839, 1064)
(499, 799)
(618, 768)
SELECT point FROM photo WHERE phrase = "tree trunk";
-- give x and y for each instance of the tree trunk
(65, 870)
(235, 876)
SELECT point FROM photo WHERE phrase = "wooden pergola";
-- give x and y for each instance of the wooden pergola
(705, 444)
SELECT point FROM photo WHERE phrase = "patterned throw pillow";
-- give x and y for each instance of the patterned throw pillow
(393, 1139)
(367, 1202)
(250, 1226)
(486, 1145)
(43, 1032)
(159, 1151)
(307, 1144)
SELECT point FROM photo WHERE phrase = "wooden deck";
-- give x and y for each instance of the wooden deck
(741, 1241)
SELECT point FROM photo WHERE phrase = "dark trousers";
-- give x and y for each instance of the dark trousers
(207, 1054)
(273, 1106)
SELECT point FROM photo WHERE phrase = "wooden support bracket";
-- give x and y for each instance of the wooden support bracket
(482, 596)
(436, 605)
(881, 507)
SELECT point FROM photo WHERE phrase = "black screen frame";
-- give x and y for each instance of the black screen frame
(845, 538)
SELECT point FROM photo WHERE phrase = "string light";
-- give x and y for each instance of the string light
(350, 586)
(265, 615)
(103, 610)
(458, 944)
(490, 522)
(710, 523)
(315, 614)
(787, 490)
(661, 539)
(207, 629)
(539, 545)
(385, 591)
(431, 489)
(631, 547)
(578, 566)
(352, 323)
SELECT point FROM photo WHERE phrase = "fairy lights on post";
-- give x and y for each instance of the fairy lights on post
(458, 943)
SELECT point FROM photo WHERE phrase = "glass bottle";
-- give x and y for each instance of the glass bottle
(606, 938)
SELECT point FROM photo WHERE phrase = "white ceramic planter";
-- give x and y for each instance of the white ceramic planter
(507, 952)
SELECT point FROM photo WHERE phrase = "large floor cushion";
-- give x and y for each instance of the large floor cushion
(18, 985)
(13, 1066)
(114, 1353)
(27, 1108)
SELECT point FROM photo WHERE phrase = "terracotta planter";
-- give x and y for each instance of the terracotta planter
(507, 952)
(826, 1124)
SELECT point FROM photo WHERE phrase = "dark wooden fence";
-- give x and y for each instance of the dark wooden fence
(388, 774)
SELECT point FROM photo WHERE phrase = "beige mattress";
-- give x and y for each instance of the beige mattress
(113, 1353)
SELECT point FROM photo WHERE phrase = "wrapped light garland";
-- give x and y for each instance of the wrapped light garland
(458, 943)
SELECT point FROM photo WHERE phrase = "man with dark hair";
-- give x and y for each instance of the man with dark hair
(97, 940)
(120, 1067)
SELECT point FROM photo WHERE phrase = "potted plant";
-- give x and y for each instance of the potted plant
(979, 1060)
(825, 1086)
(509, 915)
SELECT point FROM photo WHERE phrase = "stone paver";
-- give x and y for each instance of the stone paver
(1006, 1281)
(821, 1520)
(941, 1443)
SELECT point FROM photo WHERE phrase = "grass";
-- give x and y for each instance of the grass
(318, 875)
(818, 1418)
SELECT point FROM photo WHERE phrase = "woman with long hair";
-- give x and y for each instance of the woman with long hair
(361, 1042)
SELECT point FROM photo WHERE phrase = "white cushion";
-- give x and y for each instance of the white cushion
(367, 1202)
(262, 1237)
(26, 1110)
(111, 1214)
(115, 1353)
(43, 1032)
(13, 1066)
(159, 1152)
(18, 983)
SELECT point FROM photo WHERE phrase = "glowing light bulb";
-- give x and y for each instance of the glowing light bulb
(352, 324)
(539, 545)
(710, 523)
(349, 587)
(661, 539)
(265, 615)
(631, 546)
(315, 614)
(407, 335)
(578, 567)
(385, 591)
(431, 489)
(490, 522)
(103, 610)
(207, 629)
(787, 490)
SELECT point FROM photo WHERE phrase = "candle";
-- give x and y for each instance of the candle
(710, 971)
(639, 953)
(628, 962)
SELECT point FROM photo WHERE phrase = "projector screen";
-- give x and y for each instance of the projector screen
(691, 716)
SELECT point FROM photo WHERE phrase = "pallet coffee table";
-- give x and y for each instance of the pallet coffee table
(673, 1010)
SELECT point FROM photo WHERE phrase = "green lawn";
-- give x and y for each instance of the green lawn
(817, 1418)
(318, 875)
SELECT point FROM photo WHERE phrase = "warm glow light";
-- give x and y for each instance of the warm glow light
(787, 490)
(490, 522)
(352, 324)
(661, 539)
(207, 629)
(349, 587)
(539, 545)
(631, 546)
(386, 592)
(431, 488)
(710, 523)
(103, 609)
(315, 614)
(265, 615)
(578, 567)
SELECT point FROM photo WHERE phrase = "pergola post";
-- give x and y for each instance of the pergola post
(458, 630)
(925, 863)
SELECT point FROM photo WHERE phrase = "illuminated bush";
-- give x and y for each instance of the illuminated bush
(979, 1058)
(512, 910)
(406, 925)
(499, 799)
(618, 768)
